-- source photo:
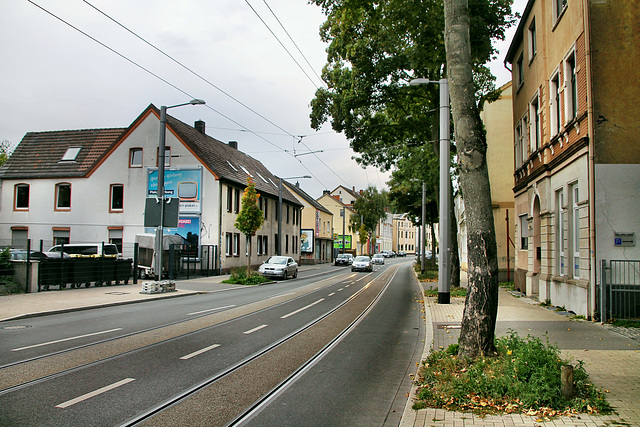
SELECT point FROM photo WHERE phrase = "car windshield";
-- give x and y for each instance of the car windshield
(362, 259)
(343, 256)
(277, 260)
(378, 256)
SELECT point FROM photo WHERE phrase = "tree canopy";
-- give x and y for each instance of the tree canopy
(250, 217)
(371, 207)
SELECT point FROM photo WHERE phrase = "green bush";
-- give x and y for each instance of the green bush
(524, 376)
(239, 277)
(7, 284)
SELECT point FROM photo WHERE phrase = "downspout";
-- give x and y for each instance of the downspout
(591, 301)
(220, 229)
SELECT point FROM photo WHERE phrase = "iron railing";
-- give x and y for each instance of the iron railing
(619, 290)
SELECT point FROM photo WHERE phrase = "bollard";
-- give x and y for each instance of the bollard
(566, 377)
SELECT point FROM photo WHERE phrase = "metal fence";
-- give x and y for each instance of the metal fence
(186, 261)
(619, 290)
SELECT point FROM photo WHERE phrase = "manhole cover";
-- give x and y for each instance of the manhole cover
(10, 328)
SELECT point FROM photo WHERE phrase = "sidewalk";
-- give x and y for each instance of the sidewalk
(611, 360)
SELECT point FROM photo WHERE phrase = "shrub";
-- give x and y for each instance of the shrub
(239, 277)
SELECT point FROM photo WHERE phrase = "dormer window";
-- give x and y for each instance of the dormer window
(71, 154)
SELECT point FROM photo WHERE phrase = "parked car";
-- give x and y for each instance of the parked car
(87, 249)
(279, 266)
(344, 259)
(21, 255)
(402, 253)
(362, 263)
(377, 259)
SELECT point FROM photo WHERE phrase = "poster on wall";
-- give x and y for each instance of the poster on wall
(188, 229)
(306, 240)
(185, 184)
(338, 239)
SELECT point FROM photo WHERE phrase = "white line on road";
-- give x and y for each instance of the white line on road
(211, 309)
(66, 339)
(301, 309)
(195, 353)
(282, 295)
(340, 290)
(332, 294)
(250, 331)
(94, 393)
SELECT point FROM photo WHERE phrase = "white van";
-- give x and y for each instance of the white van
(87, 249)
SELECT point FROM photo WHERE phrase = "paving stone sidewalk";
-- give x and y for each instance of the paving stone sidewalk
(611, 359)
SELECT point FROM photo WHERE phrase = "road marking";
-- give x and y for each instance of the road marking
(282, 295)
(332, 294)
(302, 309)
(250, 331)
(66, 339)
(347, 286)
(94, 393)
(195, 353)
(340, 290)
(211, 309)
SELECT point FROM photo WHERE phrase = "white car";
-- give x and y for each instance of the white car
(377, 259)
(279, 266)
(362, 263)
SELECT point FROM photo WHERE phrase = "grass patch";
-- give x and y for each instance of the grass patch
(507, 285)
(239, 277)
(626, 323)
(524, 377)
(454, 292)
(8, 286)
(430, 272)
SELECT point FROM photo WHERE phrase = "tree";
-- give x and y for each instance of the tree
(250, 218)
(370, 208)
(5, 151)
(481, 305)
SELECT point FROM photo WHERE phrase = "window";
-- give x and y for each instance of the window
(524, 232)
(560, 230)
(520, 71)
(554, 104)
(21, 197)
(135, 157)
(19, 237)
(276, 242)
(229, 199)
(167, 156)
(286, 244)
(115, 237)
(228, 244)
(236, 205)
(571, 88)
(71, 154)
(117, 198)
(61, 236)
(575, 229)
(236, 244)
(533, 47)
(534, 120)
(63, 196)
(518, 145)
(558, 8)
(263, 245)
(287, 214)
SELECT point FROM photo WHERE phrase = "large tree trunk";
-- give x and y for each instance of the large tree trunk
(481, 306)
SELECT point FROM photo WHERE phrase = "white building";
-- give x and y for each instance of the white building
(91, 186)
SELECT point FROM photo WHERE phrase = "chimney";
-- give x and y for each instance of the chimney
(325, 192)
(199, 125)
(233, 144)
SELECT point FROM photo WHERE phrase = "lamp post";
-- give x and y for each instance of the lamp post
(444, 292)
(280, 209)
(160, 188)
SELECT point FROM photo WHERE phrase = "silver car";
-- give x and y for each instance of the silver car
(279, 266)
(361, 263)
(377, 259)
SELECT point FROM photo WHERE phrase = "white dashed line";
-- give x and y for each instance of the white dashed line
(211, 309)
(302, 309)
(94, 393)
(250, 331)
(195, 353)
(66, 339)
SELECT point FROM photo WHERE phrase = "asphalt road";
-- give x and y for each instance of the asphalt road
(113, 365)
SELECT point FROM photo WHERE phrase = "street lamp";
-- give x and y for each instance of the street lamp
(444, 293)
(160, 190)
(280, 209)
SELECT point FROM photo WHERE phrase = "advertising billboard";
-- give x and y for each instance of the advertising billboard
(339, 238)
(185, 184)
(306, 240)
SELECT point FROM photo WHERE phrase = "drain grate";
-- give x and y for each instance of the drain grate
(15, 327)
(449, 326)
(117, 293)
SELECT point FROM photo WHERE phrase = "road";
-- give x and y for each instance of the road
(331, 347)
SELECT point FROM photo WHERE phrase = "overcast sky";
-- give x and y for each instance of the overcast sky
(54, 77)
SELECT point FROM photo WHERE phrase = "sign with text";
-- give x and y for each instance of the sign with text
(184, 184)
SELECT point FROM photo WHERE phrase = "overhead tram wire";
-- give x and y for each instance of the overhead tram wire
(153, 74)
(164, 80)
(281, 44)
(292, 41)
(209, 82)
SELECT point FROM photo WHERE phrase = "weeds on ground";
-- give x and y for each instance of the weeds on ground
(456, 291)
(239, 277)
(626, 323)
(523, 377)
(507, 285)
(7, 284)
(430, 272)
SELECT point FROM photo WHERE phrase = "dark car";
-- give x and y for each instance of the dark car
(402, 253)
(344, 259)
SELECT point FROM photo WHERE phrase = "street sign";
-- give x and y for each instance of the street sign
(152, 212)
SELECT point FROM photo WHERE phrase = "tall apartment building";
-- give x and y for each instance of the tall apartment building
(577, 150)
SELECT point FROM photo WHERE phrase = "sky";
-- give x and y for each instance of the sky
(97, 74)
